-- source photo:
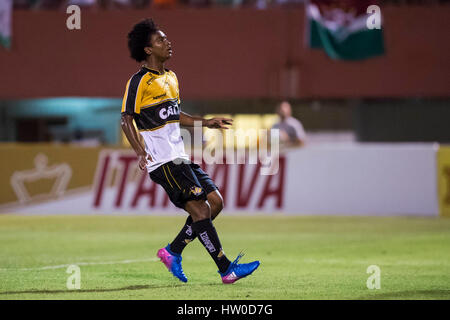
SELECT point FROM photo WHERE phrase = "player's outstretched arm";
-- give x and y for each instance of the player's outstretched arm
(218, 123)
(126, 122)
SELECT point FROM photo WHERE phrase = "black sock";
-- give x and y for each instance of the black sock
(185, 236)
(207, 235)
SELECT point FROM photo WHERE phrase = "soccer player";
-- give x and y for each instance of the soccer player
(152, 100)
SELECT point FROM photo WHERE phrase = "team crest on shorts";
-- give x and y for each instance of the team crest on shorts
(196, 190)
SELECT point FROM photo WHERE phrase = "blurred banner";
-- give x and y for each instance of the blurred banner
(374, 179)
(344, 29)
(5, 22)
(444, 180)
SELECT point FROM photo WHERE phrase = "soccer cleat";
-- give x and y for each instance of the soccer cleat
(173, 262)
(238, 271)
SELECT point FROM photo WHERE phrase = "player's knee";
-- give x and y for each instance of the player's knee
(216, 203)
(216, 206)
(204, 212)
(200, 211)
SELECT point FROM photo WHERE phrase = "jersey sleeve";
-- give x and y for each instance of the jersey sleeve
(133, 95)
(178, 88)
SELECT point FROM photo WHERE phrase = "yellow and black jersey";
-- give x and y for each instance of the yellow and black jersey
(153, 99)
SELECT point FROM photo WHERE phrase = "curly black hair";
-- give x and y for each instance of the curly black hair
(139, 38)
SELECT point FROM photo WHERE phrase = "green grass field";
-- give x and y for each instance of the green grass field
(301, 257)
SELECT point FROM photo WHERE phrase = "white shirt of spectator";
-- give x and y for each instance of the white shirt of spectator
(292, 127)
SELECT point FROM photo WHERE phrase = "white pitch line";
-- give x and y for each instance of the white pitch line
(372, 261)
(83, 264)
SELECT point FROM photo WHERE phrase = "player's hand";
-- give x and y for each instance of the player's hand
(143, 161)
(218, 123)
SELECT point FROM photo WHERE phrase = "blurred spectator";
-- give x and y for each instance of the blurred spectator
(198, 3)
(139, 4)
(109, 4)
(39, 4)
(264, 4)
(229, 3)
(102, 4)
(82, 3)
(292, 133)
(164, 3)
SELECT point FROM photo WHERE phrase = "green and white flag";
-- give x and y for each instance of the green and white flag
(5, 22)
(345, 29)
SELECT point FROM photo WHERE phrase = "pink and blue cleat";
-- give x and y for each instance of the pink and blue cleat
(172, 261)
(238, 271)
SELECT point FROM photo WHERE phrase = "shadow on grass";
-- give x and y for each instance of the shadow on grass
(137, 287)
(413, 294)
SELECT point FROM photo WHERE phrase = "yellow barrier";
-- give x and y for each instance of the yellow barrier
(31, 172)
(443, 167)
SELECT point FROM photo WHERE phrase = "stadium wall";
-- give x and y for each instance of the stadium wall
(223, 53)
(369, 179)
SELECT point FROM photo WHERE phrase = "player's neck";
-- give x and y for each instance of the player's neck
(154, 65)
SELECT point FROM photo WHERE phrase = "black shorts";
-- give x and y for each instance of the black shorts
(183, 182)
